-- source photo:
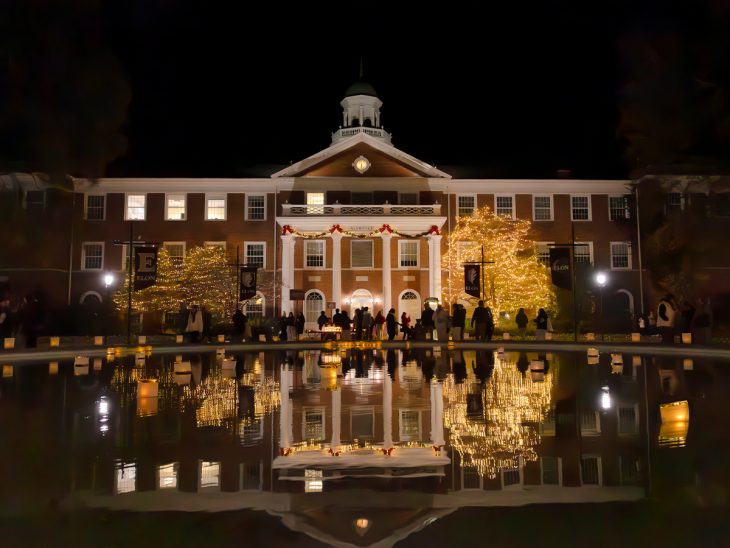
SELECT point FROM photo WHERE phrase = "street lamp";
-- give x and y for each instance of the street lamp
(601, 281)
(108, 281)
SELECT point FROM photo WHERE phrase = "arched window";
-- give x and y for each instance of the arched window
(361, 298)
(90, 298)
(409, 302)
(313, 305)
(254, 308)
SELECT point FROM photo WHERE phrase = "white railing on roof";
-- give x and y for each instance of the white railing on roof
(345, 132)
(352, 210)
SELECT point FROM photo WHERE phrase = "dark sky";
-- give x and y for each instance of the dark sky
(518, 89)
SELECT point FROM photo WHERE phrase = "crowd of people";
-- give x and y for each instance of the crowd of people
(673, 319)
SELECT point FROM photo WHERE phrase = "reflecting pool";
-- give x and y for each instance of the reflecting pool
(366, 447)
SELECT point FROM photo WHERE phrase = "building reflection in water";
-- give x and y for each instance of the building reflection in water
(425, 431)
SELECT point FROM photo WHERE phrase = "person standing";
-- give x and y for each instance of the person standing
(479, 321)
(238, 322)
(541, 325)
(299, 323)
(521, 321)
(405, 325)
(666, 312)
(345, 324)
(441, 322)
(379, 321)
(322, 320)
(490, 324)
(427, 319)
(458, 319)
(367, 324)
(358, 324)
(291, 327)
(391, 325)
(194, 326)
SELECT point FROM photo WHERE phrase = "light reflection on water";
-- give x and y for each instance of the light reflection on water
(456, 428)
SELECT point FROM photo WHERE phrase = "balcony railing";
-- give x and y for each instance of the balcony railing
(345, 132)
(361, 210)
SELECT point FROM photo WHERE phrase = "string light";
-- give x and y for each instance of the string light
(515, 279)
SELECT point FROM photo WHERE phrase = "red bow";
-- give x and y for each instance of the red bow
(386, 228)
(287, 229)
(387, 451)
(335, 228)
(284, 452)
(434, 230)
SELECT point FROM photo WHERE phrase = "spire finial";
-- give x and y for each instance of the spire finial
(362, 71)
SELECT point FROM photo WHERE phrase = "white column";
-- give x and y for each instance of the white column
(337, 268)
(336, 418)
(387, 412)
(434, 265)
(285, 414)
(437, 414)
(287, 270)
(387, 297)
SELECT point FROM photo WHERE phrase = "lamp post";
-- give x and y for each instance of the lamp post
(108, 281)
(601, 281)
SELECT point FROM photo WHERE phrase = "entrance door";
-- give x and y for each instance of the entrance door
(360, 298)
(410, 303)
(313, 305)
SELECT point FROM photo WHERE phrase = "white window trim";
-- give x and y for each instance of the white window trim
(185, 212)
(592, 433)
(323, 422)
(324, 255)
(560, 471)
(372, 255)
(126, 205)
(183, 244)
(218, 243)
(476, 203)
(401, 431)
(590, 207)
(200, 475)
(622, 196)
(552, 208)
(545, 244)
(401, 243)
(245, 251)
(263, 304)
(590, 250)
(418, 198)
(158, 469)
(599, 463)
(514, 204)
(516, 486)
(322, 192)
(83, 256)
(86, 206)
(610, 247)
(124, 266)
(635, 407)
(209, 195)
(245, 201)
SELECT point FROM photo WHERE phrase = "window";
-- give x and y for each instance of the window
(254, 308)
(167, 475)
(583, 253)
(251, 476)
(628, 423)
(124, 265)
(313, 481)
(511, 477)
(126, 478)
(675, 200)
(590, 470)
(255, 254)
(410, 425)
(362, 422)
(542, 250)
(589, 423)
(361, 198)
(408, 198)
(215, 207)
(629, 468)
(470, 478)
(136, 205)
(313, 423)
(542, 208)
(95, 207)
(620, 255)
(465, 205)
(92, 256)
(215, 244)
(175, 205)
(255, 207)
(176, 251)
(361, 254)
(313, 305)
(408, 253)
(314, 253)
(210, 474)
(315, 201)
(617, 208)
(550, 470)
(580, 208)
(504, 206)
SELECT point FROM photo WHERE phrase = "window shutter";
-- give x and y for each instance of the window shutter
(362, 254)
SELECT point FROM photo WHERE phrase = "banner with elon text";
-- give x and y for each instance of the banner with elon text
(145, 267)
(471, 280)
(560, 267)
(247, 289)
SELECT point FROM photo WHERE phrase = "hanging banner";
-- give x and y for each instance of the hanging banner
(471, 280)
(247, 289)
(145, 267)
(560, 267)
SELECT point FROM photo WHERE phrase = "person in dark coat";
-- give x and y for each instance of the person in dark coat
(239, 322)
(481, 319)
(427, 318)
(391, 325)
(299, 323)
(521, 320)
(322, 320)
(541, 324)
(358, 324)
(281, 327)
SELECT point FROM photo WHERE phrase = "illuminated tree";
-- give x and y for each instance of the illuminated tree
(515, 278)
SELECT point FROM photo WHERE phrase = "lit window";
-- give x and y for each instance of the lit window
(617, 208)
(542, 208)
(215, 244)
(314, 423)
(466, 205)
(168, 475)
(135, 210)
(314, 253)
(175, 207)
(504, 206)
(126, 478)
(92, 256)
(255, 207)
(542, 250)
(583, 253)
(410, 425)
(361, 253)
(580, 209)
(315, 203)
(620, 255)
(215, 208)
(255, 254)
(312, 481)
(210, 474)
(95, 207)
(254, 308)
(176, 251)
(408, 253)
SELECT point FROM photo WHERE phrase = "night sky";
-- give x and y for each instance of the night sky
(515, 89)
